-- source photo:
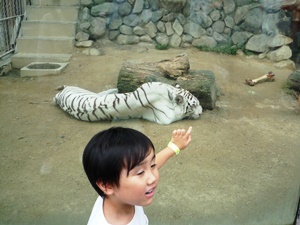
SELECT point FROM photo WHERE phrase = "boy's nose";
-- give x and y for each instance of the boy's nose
(153, 176)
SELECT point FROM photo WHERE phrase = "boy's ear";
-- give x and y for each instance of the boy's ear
(106, 188)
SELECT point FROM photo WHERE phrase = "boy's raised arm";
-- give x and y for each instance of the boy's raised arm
(181, 139)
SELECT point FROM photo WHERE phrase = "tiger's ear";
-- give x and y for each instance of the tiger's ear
(179, 99)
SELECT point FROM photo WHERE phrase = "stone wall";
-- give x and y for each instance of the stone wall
(258, 25)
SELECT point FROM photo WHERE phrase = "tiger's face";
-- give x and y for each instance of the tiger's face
(192, 107)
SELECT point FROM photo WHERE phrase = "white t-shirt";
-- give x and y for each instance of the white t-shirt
(97, 215)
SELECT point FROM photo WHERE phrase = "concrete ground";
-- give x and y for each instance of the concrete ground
(241, 168)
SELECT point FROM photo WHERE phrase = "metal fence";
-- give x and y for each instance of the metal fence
(11, 14)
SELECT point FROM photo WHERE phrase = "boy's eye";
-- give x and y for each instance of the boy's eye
(153, 165)
(140, 172)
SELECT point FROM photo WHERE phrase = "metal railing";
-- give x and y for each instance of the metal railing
(11, 14)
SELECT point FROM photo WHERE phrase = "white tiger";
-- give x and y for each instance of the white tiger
(154, 101)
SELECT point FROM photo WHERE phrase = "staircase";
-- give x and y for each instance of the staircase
(47, 33)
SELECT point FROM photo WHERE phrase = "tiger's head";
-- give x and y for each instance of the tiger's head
(191, 105)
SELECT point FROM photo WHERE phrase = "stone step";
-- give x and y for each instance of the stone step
(48, 28)
(55, 2)
(52, 13)
(48, 45)
(20, 60)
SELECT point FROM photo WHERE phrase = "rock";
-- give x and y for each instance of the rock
(258, 43)
(187, 38)
(5, 68)
(86, 2)
(229, 6)
(127, 39)
(220, 39)
(280, 40)
(97, 28)
(293, 80)
(218, 26)
(98, 1)
(127, 30)
(139, 31)
(243, 2)
(215, 15)
(156, 16)
(175, 41)
(282, 53)
(193, 29)
(146, 38)
(84, 44)
(241, 13)
(104, 9)
(82, 36)
(177, 27)
(84, 26)
(270, 24)
(124, 9)
(162, 39)
(240, 38)
(161, 27)
(132, 20)
(113, 34)
(229, 21)
(115, 23)
(289, 64)
(151, 29)
(169, 29)
(146, 16)
(205, 41)
(138, 6)
(175, 5)
(95, 52)
(253, 21)
(169, 18)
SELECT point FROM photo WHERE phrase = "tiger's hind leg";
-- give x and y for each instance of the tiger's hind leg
(59, 88)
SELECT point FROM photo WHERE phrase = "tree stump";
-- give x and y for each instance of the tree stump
(201, 83)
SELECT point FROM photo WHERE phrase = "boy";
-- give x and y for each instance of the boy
(122, 166)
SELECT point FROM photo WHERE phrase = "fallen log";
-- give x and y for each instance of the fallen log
(201, 83)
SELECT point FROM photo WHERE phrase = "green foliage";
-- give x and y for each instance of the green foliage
(246, 52)
(287, 89)
(161, 47)
(225, 49)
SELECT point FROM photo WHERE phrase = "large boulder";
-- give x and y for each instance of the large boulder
(293, 80)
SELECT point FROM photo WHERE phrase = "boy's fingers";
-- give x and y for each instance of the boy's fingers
(189, 131)
(183, 131)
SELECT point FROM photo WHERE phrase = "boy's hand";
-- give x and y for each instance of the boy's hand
(181, 138)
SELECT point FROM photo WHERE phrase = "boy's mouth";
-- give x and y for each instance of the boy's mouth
(150, 193)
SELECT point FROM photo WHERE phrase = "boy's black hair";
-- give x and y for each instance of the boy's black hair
(111, 150)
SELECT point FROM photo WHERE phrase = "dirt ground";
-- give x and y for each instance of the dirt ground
(241, 168)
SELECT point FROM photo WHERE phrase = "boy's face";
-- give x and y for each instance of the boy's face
(139, 186)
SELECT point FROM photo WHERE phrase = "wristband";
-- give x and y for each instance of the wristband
(174, 147)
